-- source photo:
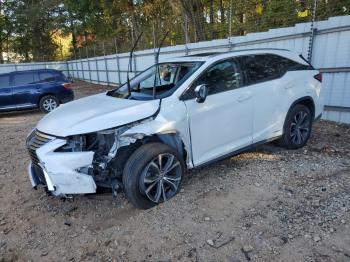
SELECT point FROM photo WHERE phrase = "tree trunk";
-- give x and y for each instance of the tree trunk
(1, 40)
(194, 11)
(1, 55)
(135, 26)
(222, 12)
(36, 43)
(74, 37)
(211, 18)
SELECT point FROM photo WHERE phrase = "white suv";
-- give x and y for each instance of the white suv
(176, 115)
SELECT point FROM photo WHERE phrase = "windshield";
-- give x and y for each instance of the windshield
(165, 77)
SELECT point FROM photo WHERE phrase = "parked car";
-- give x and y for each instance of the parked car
(176, 115)
(43, 88)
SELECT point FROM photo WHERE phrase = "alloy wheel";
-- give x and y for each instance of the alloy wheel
(49, 104)
(300, 128)
(161, 178)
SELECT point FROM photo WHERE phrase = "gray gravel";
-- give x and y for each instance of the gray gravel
(269, 204)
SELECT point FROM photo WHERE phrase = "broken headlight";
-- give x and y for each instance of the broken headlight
(100, 142)
(73, 144)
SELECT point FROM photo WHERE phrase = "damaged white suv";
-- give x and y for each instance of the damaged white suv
(176, 115)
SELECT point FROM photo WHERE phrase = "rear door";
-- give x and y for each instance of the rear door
(25, 89)
(269, 93)
(6, 99)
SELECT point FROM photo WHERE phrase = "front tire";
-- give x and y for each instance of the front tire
(297, 127)
(152, 175)
(48, 103)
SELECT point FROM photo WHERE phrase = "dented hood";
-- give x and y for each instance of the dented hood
(95, 113)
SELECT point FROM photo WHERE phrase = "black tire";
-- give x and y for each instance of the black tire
(297, 127)
(141, 167)
(48, 103)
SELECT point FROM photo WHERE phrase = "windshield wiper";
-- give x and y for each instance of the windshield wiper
(157, 74)
(130, 66)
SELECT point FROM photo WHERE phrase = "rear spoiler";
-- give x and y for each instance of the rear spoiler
(302, 57)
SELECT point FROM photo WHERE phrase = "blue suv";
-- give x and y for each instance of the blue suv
(43, 88)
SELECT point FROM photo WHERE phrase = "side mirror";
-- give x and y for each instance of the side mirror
(201, 92)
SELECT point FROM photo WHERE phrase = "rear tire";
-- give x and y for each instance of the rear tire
(48, 103)
(152, 175)
(297, 127)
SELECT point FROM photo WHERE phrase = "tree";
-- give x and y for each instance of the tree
(30, 28)
(6, 28)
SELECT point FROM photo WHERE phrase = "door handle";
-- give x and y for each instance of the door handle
(244, 97)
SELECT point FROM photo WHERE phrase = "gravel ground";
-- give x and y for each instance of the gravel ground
(269, 204)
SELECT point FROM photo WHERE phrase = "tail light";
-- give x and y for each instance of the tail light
(67, 85)
(318, 77)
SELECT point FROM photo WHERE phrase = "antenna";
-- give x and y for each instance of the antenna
(157, 60)
(130, 60)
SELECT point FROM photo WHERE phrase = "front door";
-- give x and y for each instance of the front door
(223, 122)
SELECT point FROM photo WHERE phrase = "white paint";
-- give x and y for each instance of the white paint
(95, 113)
(61, 169)
(225, 122)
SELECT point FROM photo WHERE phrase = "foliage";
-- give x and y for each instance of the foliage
(35, 29)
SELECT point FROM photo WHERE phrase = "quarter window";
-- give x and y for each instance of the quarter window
(4, 81)
(286, 64)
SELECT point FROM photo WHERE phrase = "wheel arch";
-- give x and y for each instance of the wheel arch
(43, 95)
(172, 139)
(307, 101)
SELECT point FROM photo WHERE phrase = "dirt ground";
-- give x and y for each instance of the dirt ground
(269, 204)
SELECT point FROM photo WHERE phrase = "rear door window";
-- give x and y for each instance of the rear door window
(4, 81)
(23, 79)
(46, 77)
(260, 68)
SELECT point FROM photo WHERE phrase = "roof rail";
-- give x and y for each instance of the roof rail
(204, 54)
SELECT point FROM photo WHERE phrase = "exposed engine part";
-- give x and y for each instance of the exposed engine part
(106, 144)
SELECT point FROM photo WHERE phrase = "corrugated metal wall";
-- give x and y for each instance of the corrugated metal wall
(330, 53)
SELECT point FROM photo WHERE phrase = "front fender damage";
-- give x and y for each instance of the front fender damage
(79, 164)
(128, 138)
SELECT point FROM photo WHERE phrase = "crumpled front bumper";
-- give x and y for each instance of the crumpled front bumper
(60, 170)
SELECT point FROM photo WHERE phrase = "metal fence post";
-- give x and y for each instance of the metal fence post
(230, 22)
(96, 65)
(76, 65)
(230, 44)
(135, 65)
(117, 60)
(104, 56)
(313, 31)
(87, 56)
(82, 65)
(186, 35)
(67, 65)
(77, 69)
(154, 43)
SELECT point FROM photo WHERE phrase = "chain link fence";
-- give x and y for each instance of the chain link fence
(222, 19)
